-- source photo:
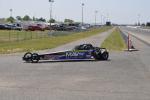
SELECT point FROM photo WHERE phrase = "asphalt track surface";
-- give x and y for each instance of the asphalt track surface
(126, 76)
(141, 34)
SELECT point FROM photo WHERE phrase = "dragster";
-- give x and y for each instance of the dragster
(79, 53)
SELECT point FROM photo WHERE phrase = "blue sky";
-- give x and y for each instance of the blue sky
(118, 11)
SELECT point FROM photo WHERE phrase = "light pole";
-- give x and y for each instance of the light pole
(82, 13)
(104, 19)
(96, 17)
(51, 2)
(11, 10)
(139, 19)
(101, 19)
(108, 17)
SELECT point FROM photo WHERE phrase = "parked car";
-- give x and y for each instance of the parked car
(17, 28)
(37, 27)
(13, 27)
(63, 27)
(4, 27)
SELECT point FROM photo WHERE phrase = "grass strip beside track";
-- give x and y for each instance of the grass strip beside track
(46, 43)
(115, 41)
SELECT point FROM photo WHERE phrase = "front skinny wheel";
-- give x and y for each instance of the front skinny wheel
(35, 58)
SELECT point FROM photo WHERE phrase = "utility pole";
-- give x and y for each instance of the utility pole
(96, 17)
(11, 10)
(101, 19)
(138, 19)
(104, 19)
(82, 13)
(108, 17)
(51, 2)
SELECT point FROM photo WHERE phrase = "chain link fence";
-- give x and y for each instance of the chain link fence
(12, 35)
(8, 36)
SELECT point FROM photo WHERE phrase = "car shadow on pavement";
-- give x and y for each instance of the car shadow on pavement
(75, 61)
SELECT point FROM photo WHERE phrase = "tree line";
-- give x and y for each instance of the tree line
(28, 18)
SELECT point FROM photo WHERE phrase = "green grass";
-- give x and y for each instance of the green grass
(146, 27)
(12, 35)
(115, 41)
(46, 43)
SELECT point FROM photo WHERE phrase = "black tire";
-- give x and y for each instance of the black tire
(28, 57)
(97, 54)
(35, 58)
(105, 55)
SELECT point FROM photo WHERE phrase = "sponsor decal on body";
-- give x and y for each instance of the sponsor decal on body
(74, 54)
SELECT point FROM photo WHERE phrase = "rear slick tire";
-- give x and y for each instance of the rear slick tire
(105, 56)
(97, 54)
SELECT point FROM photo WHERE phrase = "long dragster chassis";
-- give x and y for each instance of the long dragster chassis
(80, 52)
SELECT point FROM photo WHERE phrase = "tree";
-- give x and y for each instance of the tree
(26, 18)
(42, 19)
(34, 19)
(52, 21)
(148, 24)
(10, 19)
(68, 21)
(19, 18)
(143, 24)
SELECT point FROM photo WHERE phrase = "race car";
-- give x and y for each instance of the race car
(79, 53)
